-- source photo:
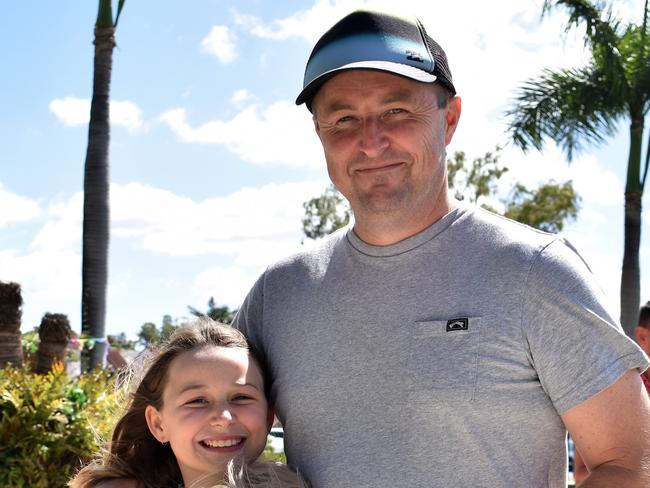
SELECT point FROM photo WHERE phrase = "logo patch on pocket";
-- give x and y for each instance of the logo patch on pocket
(457, 324)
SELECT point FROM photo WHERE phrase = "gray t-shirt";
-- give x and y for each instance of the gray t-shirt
(442, 360)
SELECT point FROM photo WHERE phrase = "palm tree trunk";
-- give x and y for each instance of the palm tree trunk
(54, 332)
(11, 351)
(631, 275)
(96, 202)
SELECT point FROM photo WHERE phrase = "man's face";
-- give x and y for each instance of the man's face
(384, 139)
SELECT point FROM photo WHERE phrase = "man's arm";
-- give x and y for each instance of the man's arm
(612, 432)
(580, 471)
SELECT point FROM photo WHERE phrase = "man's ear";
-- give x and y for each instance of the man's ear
(316, 126)
(154, 422)
(452, 116)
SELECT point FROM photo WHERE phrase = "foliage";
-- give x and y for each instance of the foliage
(547, 207)
(30, 341)
(477, 181)
(325, 214)
(150, 334)
(50, 424)
(220, 314)
(120, 341)
(579, 106)
(271, 454)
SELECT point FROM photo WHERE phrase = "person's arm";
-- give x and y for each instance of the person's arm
(612, 432)
(580, 471)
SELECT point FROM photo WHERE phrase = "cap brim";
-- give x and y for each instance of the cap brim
(405, 70)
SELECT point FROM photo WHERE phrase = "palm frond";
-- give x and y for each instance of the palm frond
(635, 50)
(603, 30)
(573, 107)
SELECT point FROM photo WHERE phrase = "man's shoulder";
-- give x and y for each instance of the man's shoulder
(316, 253)
(499, 231)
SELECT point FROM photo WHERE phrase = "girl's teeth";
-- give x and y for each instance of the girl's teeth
(225, 443)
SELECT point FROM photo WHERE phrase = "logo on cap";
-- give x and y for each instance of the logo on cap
(457, 324)
(413, 56)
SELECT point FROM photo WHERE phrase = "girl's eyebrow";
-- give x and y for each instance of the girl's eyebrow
(199, 386)
(191, 386)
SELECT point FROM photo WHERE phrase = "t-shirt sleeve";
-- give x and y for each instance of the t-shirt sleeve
(250, 317)
(576, 346)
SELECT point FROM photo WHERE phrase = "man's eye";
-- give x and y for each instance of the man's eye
(396, 110)
(345, 118)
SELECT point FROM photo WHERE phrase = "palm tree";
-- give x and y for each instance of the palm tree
(11, 301)
(96, 188)
(584, 105)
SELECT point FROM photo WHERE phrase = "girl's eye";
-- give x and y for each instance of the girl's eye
(196, 402)
(242, 397)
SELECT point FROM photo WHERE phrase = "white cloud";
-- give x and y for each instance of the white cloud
(252, 225)
(241, 97)
(280, 134)
(74, 111)
(228, 285)
(71, 111)
(50, 280)
(249, 228)
(126, 114)
(15, 208)
(220, 42)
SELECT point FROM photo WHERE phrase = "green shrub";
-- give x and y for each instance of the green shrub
(50, 424)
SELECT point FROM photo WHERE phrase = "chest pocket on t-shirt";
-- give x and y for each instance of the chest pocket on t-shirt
(444, 358)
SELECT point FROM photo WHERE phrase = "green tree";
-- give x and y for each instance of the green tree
(96, 188)
(220, 314)
(547, 207)
(120, 341)
(325, 214)
(167, 328)
(149, 334)
(583, 106)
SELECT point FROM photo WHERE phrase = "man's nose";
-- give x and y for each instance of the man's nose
(374, 138)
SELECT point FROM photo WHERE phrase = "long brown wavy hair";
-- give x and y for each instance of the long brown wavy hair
(133, 452)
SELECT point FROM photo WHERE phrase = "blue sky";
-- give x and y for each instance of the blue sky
(211, 160)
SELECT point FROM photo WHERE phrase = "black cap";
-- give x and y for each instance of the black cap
(370, 39)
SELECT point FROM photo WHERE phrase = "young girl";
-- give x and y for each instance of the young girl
(198, 418)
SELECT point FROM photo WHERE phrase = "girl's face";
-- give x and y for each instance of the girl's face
(214, 409)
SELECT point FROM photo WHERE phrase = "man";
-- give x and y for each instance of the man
(431, 345)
